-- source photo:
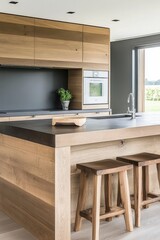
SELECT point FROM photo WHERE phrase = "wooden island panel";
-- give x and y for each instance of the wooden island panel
(38, 164)
(33, 181)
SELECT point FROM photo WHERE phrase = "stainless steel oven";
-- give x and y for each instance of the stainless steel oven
(95, 84)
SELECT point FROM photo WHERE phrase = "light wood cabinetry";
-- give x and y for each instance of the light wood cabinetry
(75, 85)
(16, 40)
(36, 42)
(57, 44)
(96, 47)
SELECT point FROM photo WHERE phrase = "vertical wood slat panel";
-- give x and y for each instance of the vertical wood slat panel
(62, 188)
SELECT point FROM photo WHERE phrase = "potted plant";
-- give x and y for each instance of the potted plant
(65, 97)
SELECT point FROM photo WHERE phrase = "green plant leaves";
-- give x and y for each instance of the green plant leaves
(65, 95)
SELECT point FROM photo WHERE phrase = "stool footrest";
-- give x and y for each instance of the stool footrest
(112, 213)
(152, 200)
(153, 195)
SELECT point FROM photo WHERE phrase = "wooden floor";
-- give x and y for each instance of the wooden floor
(114, 230)
(9, 230)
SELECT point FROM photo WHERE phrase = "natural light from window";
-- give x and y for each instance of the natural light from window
(152, 79)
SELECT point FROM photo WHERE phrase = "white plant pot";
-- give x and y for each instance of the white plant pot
(65, 105)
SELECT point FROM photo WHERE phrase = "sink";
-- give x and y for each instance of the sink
(123, 115)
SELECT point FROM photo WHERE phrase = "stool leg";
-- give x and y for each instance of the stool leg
(81, 200)
(137, 194)
(145, 182)
(96, 207)
(158, 172)
(108, 194)
(125, 195)
(119, 201)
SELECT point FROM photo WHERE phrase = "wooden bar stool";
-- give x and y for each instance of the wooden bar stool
(142, 196)
(98, 169)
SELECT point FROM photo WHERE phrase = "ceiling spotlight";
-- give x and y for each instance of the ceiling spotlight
(70, 12)
(115, 20)
(13, 2)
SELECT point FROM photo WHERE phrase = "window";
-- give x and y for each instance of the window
(149, 79)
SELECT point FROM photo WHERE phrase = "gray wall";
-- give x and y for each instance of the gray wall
(121, 69)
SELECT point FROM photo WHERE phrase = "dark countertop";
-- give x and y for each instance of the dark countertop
(95, 130)
(48, 112)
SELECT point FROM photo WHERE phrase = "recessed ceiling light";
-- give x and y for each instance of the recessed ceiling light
(13, 2)
(70, 12)
(115, 20)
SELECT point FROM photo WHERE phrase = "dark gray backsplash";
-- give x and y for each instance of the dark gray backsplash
(30, 89)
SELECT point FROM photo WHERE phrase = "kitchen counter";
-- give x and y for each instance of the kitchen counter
(102, 129)
(39, 180)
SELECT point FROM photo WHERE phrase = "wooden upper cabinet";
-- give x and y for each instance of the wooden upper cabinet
(57, 44)
(38, 42)
(16, 40)
(96, 47)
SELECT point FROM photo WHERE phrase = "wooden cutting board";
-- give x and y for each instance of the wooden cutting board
(76, 121)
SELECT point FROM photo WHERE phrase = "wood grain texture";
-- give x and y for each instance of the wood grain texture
(103, 167)
(108, 194)
(27, 179)
(106, 135)
(57, 41)
(81, 200)
(141, 159)
(137, 194)
(62, 194)
(16, 40)
(145, 183)
(98, 151)
(125, 195)
(96, 207)
(96, 45)
(27, 210)
(75, 85)
(38, 42)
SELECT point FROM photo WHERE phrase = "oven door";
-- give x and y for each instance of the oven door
(95, 90)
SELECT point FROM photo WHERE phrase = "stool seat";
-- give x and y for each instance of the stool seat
(104, 167)
(141, 159)
(97, 170)
(142, 196)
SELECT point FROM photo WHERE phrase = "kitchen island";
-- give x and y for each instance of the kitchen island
(38, 176)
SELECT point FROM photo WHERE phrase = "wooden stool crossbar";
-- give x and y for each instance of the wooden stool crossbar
(142, 196)
(98, 169)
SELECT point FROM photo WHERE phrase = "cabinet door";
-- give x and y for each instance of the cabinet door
(16, 40)
(96, 47)
(57, 44)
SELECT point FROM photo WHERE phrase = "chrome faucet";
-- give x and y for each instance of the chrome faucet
(133, 110)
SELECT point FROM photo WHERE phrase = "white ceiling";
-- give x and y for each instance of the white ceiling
(137, 17)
